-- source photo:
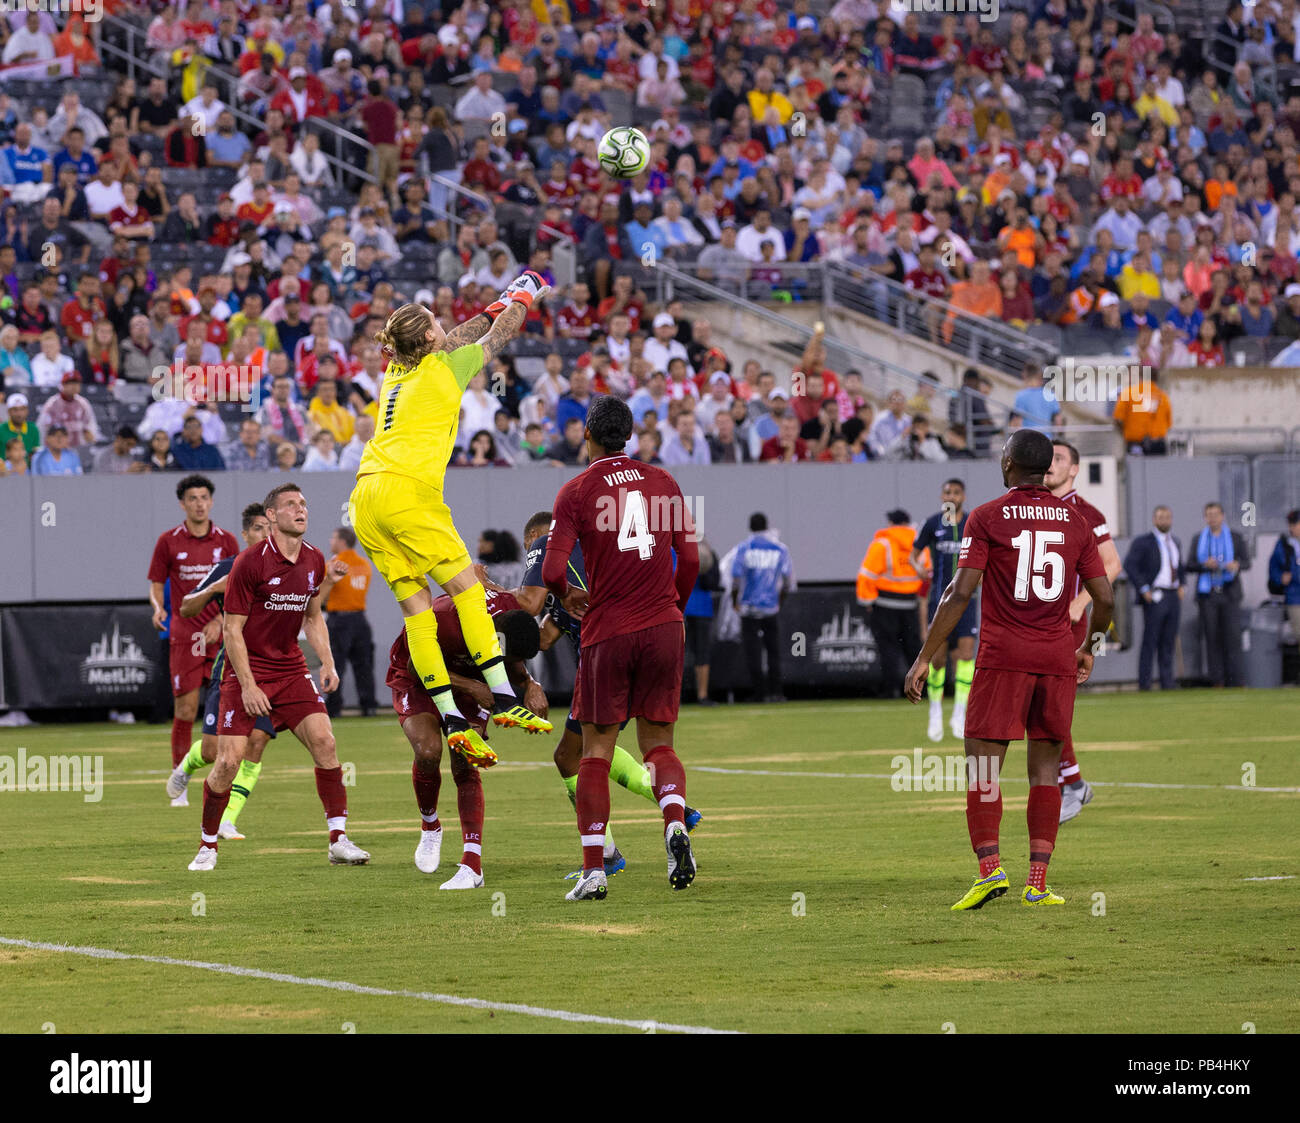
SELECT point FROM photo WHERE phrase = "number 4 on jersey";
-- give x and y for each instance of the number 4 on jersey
(1030, 544)
(634, 527)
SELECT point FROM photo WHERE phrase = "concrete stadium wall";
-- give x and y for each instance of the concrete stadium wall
(90, 538)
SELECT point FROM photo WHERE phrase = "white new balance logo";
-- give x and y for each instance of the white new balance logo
(274, 581)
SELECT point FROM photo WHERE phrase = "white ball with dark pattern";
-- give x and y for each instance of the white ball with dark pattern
(623, 152)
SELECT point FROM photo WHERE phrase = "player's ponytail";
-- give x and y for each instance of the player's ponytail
(402, 338)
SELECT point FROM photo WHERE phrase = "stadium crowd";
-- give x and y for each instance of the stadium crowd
(1073, 165)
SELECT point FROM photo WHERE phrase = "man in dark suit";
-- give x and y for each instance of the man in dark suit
(1155, 569)
(1217, 556)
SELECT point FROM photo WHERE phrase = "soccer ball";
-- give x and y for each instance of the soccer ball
(623, 152)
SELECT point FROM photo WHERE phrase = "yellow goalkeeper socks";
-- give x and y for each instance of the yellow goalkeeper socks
(481, 637)
(426, 655)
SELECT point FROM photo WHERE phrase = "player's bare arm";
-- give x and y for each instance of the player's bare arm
(156, 603)
(482, 574)
(1110, 559)
(476, 688)
(255, 700)
(1103, 605)
(197, 601)
(504, 331)
(527, 687)
(313, 626)
(951, 606)
(335, 571)
(531, 598)
(550, 632)
(470, 331)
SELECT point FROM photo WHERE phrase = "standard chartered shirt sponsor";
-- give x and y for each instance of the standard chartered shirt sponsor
(287, 602)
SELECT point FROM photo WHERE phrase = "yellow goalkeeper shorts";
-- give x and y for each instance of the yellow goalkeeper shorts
(406, 529)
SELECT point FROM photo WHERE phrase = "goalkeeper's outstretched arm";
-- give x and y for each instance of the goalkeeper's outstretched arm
(471, 331)
(504, 331)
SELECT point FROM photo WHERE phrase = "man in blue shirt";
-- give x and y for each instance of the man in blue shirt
(54, 459)
(576, 402)
(23, 162)
(192, 452)
(761, 575)
(1035, 403)
(1186, 317)
(75, 153)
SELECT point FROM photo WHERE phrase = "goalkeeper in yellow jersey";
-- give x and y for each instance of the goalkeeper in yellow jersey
(397, 507)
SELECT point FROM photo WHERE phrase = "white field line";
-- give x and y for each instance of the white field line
(355, 988)
(1004, 779)
(1275, 877)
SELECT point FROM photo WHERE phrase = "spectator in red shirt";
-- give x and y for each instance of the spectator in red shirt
(259, 209)
(305, 97)
(480, 172)
(381, 119)
(130, 220)
(80, 313)
(577, 319)
(787, 446)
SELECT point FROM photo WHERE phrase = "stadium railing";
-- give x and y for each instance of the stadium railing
(1274, 488)
(138, 56)
(1208, 441)
(985, 341)
(976, 339)
(880, 375)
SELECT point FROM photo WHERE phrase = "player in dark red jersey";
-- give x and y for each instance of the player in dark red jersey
(183, 556)
(627, 517)
(422, 724)
(1027, 547)
(1060, 479)
(272, 593)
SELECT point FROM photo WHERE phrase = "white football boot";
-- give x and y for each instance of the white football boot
(345, 852)
(429, 853)
(464, 878)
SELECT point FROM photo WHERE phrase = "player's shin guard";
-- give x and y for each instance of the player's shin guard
(426, 778)
(965, 669)
(469, 806)
(334, 798)
(426, 656)
(593, 810)
(626, 771)
(1043, 814)
(214, 806)
(934, 683)
(984, 820)
(668, 781)
(181, 737)
(245, 779)
(1068, 771)
(481, 637)
(571, 786)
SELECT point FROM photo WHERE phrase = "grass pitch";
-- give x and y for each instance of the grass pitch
(822, 902)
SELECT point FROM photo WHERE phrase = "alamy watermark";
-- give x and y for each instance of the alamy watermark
(37, 773)
(945, 772)
(210, 382)
(92, 11)
(986, 11)
(1103, 382)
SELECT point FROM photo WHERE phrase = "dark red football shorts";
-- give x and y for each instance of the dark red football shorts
(1011, 705)
(633, 675)
(188, 670)
(292, 699)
